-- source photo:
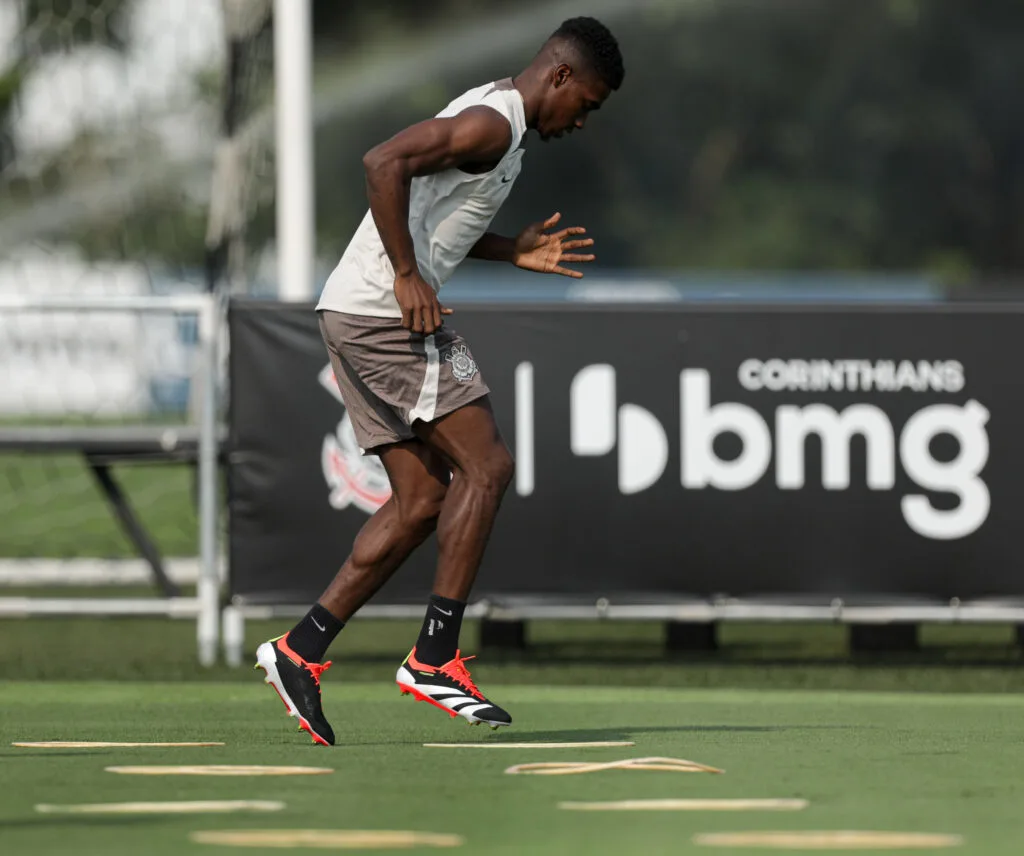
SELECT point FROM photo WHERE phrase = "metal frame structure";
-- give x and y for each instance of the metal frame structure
(102, 448)
(695, 611)
(205, 606)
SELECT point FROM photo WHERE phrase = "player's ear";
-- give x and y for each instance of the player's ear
(561, 75)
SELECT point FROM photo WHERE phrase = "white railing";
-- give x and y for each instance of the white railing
(204, 607)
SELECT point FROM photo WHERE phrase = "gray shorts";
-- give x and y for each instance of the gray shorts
(389, 377)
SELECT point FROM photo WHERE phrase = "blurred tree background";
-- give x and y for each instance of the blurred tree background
(48, 26)
(783, 135)
(791, 135)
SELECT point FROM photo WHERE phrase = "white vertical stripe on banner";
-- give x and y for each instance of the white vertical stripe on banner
(427, 402)
(524, 429)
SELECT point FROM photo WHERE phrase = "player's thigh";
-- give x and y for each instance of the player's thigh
(469, 438)
(372, 419)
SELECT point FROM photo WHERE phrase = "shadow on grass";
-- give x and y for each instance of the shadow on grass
(613, 733)
(626, 732)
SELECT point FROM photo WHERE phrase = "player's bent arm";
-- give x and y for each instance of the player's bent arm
(477, 135)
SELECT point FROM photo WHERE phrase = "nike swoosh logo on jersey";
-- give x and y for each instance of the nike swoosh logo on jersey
(505, 179)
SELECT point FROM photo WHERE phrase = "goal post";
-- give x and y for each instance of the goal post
(257, 130)
(296, 225)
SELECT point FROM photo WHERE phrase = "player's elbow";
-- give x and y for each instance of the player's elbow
(373, 161)
(378, 162)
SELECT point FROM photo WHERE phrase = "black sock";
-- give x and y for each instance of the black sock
(439, 637)
(312, 636)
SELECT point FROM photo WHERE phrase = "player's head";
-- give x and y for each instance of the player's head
(582, 65)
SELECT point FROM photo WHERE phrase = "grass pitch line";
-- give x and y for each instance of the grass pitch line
(689, 805)
(567, 768)
(496, 745)
(194, 807)
(338, 839)
(837, 840)
(220, 770)
(94, 744)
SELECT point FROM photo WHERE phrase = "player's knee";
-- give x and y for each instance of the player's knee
(420, 512)
(494, 474)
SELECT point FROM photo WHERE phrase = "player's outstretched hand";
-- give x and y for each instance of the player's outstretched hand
(536, 250)
(421, 310)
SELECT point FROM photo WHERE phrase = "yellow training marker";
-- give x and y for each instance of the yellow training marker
(94, 744)
(837, 840)
(221, 770)
(338, 839)
(689, 805)
(193, 807)
(496, 745)
(566, 768)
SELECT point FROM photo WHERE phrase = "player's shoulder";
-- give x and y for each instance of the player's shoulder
(494, 94)
(499, 96)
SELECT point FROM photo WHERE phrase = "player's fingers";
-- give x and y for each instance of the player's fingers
(429, 324)
(435, 312)
(552, 220)
(578, 257)
(572, 230)
(407, 318)
(575, 274)
(446, 311)
(417, 319)
(576, 245)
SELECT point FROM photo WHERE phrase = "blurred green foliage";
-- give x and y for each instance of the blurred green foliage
(796, 134)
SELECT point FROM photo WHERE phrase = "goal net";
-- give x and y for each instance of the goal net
(135, 152)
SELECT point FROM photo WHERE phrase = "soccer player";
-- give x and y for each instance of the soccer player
(410, 385)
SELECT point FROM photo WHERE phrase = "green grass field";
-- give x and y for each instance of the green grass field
(939, 762)
(920, 763)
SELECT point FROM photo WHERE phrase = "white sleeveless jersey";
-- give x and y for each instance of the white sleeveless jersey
(448, 213)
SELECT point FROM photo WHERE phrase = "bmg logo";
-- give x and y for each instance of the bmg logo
(601, 423)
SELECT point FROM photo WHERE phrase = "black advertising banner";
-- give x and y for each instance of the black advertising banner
(668, 450)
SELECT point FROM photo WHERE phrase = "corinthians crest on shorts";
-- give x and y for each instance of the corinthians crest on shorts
(461, 361)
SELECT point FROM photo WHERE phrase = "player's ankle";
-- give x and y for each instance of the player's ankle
(313, 635)
(439, 635)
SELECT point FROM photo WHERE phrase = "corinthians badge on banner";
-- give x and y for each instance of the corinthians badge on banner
(354, 479)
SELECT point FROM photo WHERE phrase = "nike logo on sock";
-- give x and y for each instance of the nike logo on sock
(447, 612)
(323, 629)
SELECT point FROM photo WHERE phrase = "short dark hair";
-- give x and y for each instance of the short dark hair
(597, 46)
